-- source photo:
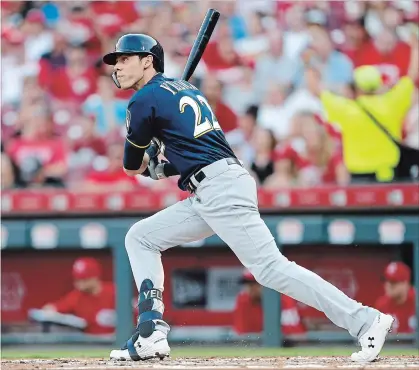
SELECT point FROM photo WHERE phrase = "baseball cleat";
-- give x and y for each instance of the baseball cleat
(138, 348)
(373, 340)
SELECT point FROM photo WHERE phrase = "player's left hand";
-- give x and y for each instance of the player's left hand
(156, 169)
(155, 148)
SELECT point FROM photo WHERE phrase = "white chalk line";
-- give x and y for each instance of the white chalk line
(265, 367)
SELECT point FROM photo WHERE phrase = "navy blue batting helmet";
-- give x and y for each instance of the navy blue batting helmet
(137, 44)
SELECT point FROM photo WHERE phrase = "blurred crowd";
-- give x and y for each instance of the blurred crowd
(284, 79)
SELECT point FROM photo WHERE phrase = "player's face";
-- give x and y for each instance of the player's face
(312, 134)
(396, 290)
(129, 70)
(385, 41)
(247, 123)
(212, 89)
(85, 285)
(263, 139)
(321, 41)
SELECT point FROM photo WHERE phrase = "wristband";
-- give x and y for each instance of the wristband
(170, 170)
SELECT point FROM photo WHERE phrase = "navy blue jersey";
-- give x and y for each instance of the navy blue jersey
(177, 113)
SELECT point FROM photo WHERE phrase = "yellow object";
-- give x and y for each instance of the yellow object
(366, 149)
(368, 78)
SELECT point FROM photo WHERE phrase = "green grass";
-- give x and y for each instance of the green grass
(186, 351)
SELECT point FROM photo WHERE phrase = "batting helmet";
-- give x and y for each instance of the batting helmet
(137, 44)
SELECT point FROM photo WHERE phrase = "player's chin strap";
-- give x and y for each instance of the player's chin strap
(115, 80)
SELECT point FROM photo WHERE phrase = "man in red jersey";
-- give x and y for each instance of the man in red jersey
(399, 297)
(92, 299)
(248, 313)
(40, 155)
(356, 37)
(213, 91)
(111, 175)
(390, 55)
(75, 81)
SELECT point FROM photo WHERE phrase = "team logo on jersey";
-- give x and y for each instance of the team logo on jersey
(128, 119)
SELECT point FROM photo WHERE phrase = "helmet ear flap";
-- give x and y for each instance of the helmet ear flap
(115, 80)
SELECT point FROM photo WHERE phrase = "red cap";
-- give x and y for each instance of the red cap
(35, 16)
(86, 268)
(397, 272)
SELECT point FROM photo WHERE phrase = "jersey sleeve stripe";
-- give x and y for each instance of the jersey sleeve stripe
(138, 146)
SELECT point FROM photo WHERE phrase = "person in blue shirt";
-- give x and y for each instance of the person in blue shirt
(336, 68)
(109, 110)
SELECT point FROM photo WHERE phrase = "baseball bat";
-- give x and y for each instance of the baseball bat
(200, 43)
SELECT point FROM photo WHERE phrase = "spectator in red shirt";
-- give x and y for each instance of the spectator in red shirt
(40, 156)
(248, 313)
(107, 173)
(356, 37)
(92, 299)
(220, 55)
(213, 91)
(52, 60)
(321, 163)
(313, 158)
(87, 137)
(77, 80)
(86, 146)
(81, 27)
(112, 12)
(399, 298)
(390, 55)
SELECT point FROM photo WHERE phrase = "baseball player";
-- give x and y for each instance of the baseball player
(399, 297)
(174, 115)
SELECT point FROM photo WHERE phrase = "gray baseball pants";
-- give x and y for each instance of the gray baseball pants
(225, 203)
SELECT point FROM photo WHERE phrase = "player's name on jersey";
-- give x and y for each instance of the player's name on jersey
(176, 86)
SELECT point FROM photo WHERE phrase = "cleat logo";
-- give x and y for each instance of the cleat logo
(371, 340)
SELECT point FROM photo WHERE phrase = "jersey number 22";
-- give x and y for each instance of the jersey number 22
(202, 124)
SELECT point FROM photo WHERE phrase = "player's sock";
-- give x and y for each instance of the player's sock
(150, 310)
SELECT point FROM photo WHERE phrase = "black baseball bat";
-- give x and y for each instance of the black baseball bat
(200, 43)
